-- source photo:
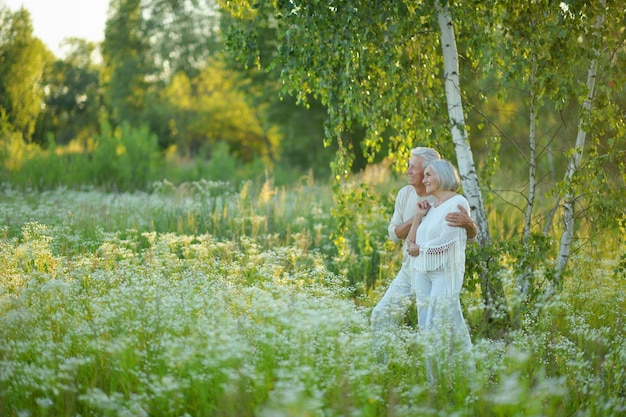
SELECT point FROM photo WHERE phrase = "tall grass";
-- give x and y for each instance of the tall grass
(207, 299)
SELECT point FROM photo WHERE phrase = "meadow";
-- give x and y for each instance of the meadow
(209, 299)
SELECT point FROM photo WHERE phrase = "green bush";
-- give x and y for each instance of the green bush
(126, 158)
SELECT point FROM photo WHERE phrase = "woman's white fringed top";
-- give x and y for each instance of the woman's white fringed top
(442, 247)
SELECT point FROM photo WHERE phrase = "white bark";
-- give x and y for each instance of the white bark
(465, 159)
(532, 181)
(523, 279)
(574, 162)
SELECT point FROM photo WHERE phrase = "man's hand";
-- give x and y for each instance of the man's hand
(463, 219)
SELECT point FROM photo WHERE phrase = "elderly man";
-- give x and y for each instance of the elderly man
(399, 296)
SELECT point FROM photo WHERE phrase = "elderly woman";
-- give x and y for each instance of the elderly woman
(438, 252)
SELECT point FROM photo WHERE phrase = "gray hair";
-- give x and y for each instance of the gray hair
(447, 174)
(428, 154)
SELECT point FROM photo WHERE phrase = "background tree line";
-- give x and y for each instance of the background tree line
(161, 70)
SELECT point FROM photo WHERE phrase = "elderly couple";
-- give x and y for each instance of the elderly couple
(435, 223)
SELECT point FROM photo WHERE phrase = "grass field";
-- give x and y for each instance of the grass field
(208, 300)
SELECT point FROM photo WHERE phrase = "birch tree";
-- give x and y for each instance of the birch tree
(536, 33)
(551, 41)
(458, 129)
(537, 49)
(576, 156)
(492, 292)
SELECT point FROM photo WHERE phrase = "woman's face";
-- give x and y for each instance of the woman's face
(430, 181)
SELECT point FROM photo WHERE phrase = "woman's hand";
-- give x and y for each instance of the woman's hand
(422, 208)
(412, 249)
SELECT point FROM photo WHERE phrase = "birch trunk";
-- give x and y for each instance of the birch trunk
(492, 292)
(532, 181)
(465, 159)
(569, 199)
(524, 278)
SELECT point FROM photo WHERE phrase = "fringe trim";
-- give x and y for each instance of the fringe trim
(450, 257)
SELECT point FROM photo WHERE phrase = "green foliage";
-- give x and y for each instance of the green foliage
(22, 61)
(126, 158)
(211, 108)
(620, 270)
(45, 169)
(359, 233)
(13, 150)
(126, 68)
(302, 129)
(74, 98)
(222, 166)
(183, 34)
(333, 54)
(483, 274)
(160, 68)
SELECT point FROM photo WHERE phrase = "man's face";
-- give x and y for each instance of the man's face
(415, 173)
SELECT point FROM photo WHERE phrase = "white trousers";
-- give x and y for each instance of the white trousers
(438, 315)
(397, 299)
(428, 291)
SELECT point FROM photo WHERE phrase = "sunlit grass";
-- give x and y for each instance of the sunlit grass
(206, 300)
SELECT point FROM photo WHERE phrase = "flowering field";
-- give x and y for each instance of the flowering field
(203, 300)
